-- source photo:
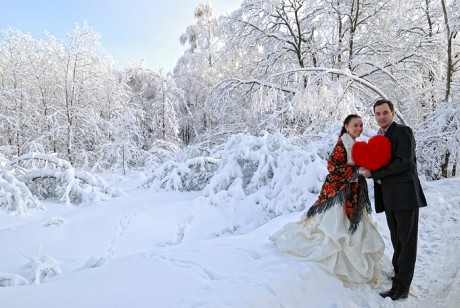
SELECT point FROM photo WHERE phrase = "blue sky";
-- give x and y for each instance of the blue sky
(131, 29)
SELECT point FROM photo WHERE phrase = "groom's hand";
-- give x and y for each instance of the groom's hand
(364, 172)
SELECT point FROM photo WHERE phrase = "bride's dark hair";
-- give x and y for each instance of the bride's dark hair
(347, 121)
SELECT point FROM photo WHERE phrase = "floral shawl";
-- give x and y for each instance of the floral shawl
(343, 186)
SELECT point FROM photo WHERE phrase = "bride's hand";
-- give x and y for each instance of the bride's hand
(364, 172)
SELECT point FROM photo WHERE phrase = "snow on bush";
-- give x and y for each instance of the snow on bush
(160, 152)
(193, 174)
(42, 268)
(12, 280)
(56, 222)
(250, 178)
(48, 176)
(14, 195)
(269, 172)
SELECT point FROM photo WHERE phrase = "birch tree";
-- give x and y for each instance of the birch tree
(451, 14)
(198, 69)
(168, 97)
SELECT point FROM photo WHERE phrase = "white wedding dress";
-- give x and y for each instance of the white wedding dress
(325, 239)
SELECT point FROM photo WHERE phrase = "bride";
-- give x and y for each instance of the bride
(337, 232)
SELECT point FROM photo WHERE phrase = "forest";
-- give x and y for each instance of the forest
(290, 68)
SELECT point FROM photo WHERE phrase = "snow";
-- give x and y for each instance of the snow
(171, 249)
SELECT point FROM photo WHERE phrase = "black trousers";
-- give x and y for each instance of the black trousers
(403, 227)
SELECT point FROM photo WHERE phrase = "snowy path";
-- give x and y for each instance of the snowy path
(436, 281)
(453, 297)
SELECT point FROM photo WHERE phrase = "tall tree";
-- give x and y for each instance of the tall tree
(451, 14)
(198, 69)
(168, 97)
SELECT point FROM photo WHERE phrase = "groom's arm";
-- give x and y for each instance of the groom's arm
(404, 157)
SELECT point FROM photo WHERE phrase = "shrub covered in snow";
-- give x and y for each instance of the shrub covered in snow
(42, 268)
(12, 280)
(193, 174)
(14, 194)
(160, 152)
(48, 176)
(56, 222)
(250, 178)
(268, 171)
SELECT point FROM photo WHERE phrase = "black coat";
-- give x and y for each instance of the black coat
(400, 187)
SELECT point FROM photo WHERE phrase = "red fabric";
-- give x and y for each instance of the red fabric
(372, 155)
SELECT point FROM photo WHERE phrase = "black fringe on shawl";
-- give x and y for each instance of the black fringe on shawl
(363, 203)
(327, 204)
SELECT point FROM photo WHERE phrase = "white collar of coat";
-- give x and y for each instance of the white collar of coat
(348, 143)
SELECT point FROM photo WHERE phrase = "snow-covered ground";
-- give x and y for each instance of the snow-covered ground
(174, 249)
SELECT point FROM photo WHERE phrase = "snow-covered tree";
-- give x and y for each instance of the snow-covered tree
(88, 91)
(297, 43)
(123, 149)
(168, 96)
(199, 69)
(438, 148)
(451, 14)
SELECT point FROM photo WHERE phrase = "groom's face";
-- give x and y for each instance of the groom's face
(383, 115)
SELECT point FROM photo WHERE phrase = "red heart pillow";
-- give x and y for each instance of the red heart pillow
(372, 155)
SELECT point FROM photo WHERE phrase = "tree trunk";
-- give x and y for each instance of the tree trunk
(445, 165)
(449, 69)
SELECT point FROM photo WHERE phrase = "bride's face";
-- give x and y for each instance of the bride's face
(355, 127)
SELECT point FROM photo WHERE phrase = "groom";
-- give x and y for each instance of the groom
(398, 192)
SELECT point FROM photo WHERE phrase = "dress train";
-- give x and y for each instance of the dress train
(325, 239)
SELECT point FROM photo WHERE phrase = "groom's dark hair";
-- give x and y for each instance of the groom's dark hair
(384, 101)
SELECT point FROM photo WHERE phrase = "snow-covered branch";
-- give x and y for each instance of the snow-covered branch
(48, 175)
(193, 174)
(235, 82)
(14, 194)
(347, 75)
(322, 71)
